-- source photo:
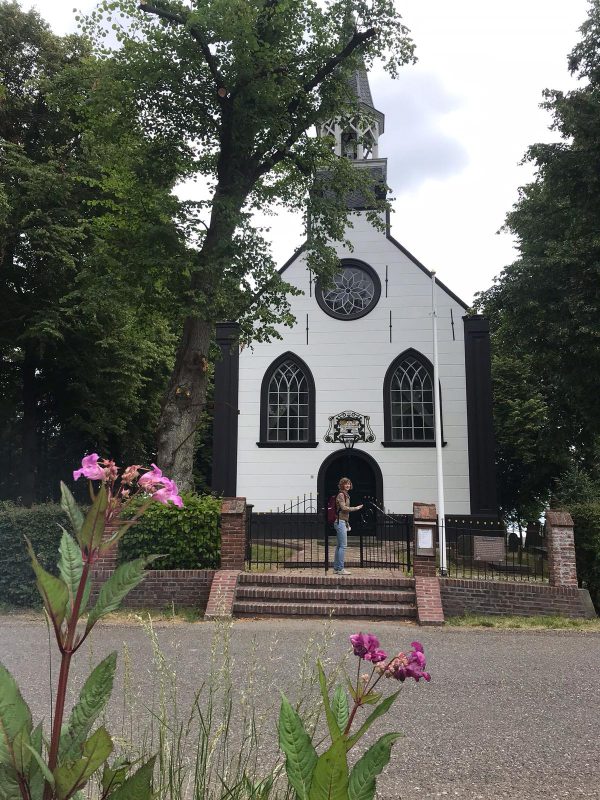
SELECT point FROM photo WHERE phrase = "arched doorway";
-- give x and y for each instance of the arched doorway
(366, 477)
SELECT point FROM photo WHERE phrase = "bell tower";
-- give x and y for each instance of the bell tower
(357, 138)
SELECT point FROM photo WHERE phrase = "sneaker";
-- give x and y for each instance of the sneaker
(341, 572)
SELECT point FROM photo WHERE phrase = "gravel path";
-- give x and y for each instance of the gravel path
(508, 714)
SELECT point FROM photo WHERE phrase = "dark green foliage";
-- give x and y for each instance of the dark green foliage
(586, 517)
(188, 537)
(41, 526)
(544, 309)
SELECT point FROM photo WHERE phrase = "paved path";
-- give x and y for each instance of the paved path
(508, 714)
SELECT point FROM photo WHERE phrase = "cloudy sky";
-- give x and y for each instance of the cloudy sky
(457, 124)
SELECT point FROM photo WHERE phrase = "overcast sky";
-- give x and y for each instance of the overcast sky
(457, 124)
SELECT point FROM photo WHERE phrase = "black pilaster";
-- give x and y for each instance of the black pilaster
(225, 421)
(482, 467)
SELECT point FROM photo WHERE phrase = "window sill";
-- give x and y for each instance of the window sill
(289, 445)
(411, 444)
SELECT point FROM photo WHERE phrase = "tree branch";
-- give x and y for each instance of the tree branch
(196, 33)
(356, 41)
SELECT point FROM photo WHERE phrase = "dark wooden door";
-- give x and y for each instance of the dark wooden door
(362, 475)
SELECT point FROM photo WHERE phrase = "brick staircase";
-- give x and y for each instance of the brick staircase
(276, 594)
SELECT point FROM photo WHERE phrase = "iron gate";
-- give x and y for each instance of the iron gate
(297, 535)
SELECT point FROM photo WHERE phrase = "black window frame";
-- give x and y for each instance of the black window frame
(347, 263)
(387, 402)
(264, 403)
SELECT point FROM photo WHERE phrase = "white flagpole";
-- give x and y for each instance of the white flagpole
(438, 434)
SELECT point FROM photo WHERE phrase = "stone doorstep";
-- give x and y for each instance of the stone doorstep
(334, 594)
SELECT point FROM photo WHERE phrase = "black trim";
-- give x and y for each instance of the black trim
(288, 445)
(225, 420)
(387, 405)
(293, 257)
(422, 267)
(360, 454)
(482, 467)
(351, 262)
(264, 402)
(412, 444)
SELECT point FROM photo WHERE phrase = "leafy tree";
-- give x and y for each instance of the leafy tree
(88, 228)
(545, 307)
(240, 84)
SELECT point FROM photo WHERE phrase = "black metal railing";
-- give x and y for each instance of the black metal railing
(484, 549)
(291, 536)
(296, 535)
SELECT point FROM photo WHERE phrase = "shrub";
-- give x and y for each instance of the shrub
(586, 518)
(187, 538)
(41, 526)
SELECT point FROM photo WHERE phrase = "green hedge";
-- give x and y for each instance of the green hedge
(189, 537)
(41, 525)
(586, 519)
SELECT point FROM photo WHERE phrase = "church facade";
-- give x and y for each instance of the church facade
(349, 389)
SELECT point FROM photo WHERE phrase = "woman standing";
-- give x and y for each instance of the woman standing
(342, 524)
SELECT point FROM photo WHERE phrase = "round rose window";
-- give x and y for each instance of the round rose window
(353, 292)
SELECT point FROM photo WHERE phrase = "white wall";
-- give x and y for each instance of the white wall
(269, 477)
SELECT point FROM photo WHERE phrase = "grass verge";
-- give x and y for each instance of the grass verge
(549, 622)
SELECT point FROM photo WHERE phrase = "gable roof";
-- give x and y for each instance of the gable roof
(402, 249)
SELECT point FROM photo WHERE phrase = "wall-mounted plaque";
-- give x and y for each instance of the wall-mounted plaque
(489, 548)
(349, 423)
(424, 538)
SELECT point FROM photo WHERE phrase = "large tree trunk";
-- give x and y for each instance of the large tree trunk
(29, 430)
(184, 403)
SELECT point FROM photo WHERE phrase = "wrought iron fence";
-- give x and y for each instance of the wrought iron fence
(291, 536)
(484, 549)
(296, 535)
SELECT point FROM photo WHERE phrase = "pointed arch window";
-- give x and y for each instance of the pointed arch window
(287, 412)
(408, 402)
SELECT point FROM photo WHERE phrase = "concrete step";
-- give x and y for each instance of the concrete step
(298, 609)
(330, 594)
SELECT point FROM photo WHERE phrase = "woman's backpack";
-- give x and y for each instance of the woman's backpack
(332, 512)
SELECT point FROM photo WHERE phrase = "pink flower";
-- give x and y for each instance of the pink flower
(90, 469)
(130, 474)
(169, 493)
(111, 471)
(409, 666)
(151, 478)
(375, 656)
(366, 646)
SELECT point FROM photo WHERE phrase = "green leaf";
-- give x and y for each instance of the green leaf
(70, 565)
(300, 755)
(371, 698)
(92, 529)
(93, 697)
(339, 706)
(70, 777)
(381, 709)
(334, 730)
(330, 778)
(71, 509)
(9, 784)
(113, 776)
(21, 746)
(45, 771)
(362, 778)
(54, 591)
(121, 582)
(138, 786)
(14, 714)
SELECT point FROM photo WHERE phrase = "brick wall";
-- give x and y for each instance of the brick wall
(162, 587)
(510, 597)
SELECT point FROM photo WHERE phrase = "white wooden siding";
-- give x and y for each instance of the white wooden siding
(269, 477)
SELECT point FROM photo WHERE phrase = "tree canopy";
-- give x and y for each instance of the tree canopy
(236, 87)
(545, 307)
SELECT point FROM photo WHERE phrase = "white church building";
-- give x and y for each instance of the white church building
(357, 368)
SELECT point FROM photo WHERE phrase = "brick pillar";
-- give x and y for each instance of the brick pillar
(424, 515)
(233, 533)
(561, 549)
(108, 559)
